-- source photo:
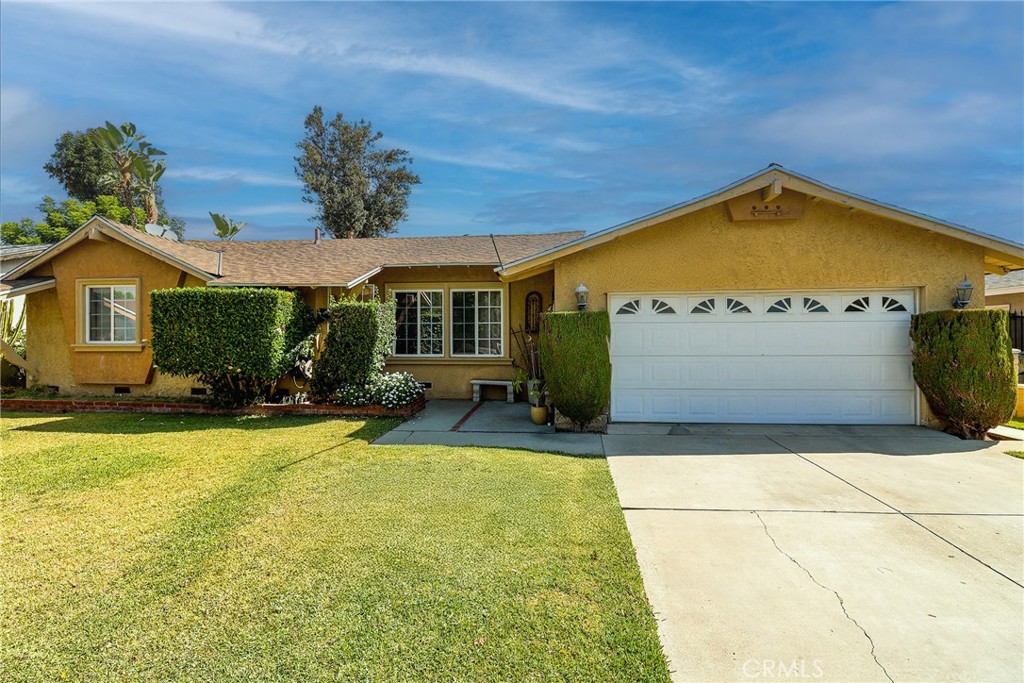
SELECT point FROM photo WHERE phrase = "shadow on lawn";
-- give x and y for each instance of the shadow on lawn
(136, 423)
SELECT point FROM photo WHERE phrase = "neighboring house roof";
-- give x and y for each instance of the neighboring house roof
(10, 252)
(1000, 255)
(349, 262)
(1011, 283)
(294, 263)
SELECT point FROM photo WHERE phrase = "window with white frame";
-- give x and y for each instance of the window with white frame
(419, 323)
(476, 322)
(110, 316)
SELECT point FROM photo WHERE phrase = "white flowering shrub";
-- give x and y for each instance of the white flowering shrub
(394, 389)
(391, 389)
(353, 395)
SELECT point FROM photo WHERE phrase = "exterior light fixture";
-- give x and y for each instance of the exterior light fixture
(963, 294)
(581, 297)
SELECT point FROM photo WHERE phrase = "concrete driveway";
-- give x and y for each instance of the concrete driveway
(827, 553)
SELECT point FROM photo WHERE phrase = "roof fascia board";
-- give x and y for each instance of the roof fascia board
(29, 289)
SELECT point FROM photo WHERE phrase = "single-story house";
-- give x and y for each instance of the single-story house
(775, 299)
(1005, 291)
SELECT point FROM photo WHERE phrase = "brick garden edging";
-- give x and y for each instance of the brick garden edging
(72, 405)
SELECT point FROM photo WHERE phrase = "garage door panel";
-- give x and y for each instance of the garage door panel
(768, 339)
(737, 361)
(761, 406)
(844, 373)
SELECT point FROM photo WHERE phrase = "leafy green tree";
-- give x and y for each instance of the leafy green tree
(62, 218)
(224, 227)
(133, 159)
(81, 166)
(356, 186)
(25, 232)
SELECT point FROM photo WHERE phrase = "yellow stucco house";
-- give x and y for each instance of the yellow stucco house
(774, 299)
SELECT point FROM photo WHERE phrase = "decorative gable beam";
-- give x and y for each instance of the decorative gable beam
(772, 190)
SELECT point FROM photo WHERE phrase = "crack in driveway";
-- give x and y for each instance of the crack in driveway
(908, 516)
(842, 604)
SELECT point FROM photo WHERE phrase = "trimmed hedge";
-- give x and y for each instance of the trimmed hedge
(577, 368)
(358, 343)
(964, 366)
(238, 342)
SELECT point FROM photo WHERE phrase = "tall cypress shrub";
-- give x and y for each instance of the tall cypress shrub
(577, 367)
(964, 366)
(360, 338)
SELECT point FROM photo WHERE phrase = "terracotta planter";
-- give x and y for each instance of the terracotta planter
(539, 414)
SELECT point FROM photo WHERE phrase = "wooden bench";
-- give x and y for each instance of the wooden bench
(477, 383)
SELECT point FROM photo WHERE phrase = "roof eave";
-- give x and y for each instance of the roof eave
(14, 291)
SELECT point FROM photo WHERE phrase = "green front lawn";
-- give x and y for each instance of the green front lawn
(1017, 424)
(208, 548)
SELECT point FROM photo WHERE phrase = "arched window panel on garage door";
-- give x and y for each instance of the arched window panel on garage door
(663, 306)
(702, 305)
(631, 307)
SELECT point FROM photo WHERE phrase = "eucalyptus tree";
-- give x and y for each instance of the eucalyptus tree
(358, 188)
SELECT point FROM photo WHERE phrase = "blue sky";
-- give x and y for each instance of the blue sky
(531, 116)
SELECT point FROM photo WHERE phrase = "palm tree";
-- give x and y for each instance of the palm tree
(132, 157)
(224, 227)
(147, 173)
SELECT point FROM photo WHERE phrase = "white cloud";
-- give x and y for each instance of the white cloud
(289, 209)
(231, 175)
(208, 22)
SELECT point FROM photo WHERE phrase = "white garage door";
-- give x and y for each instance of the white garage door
(763, 357)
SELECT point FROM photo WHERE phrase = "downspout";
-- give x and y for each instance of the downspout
(14, 359)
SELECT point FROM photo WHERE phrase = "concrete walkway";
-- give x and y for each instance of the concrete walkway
(793, 552)
(495, 424)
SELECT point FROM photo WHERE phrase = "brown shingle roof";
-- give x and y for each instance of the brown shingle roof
(192, 253)
(341, 261)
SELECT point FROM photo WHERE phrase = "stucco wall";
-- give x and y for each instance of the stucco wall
(828, 248)
(54, 345)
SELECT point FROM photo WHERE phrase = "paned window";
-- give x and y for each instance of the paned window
(476, 322)
(419, 323)
(111, 314)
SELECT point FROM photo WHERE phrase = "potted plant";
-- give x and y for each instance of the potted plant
(538, 407)
(528, 374)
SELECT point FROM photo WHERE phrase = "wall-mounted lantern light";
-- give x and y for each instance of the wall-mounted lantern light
(963, 294)
(581, 297)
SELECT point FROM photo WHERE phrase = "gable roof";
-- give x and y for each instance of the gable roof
(295, 263)
(194, 260)
(1000, 255)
